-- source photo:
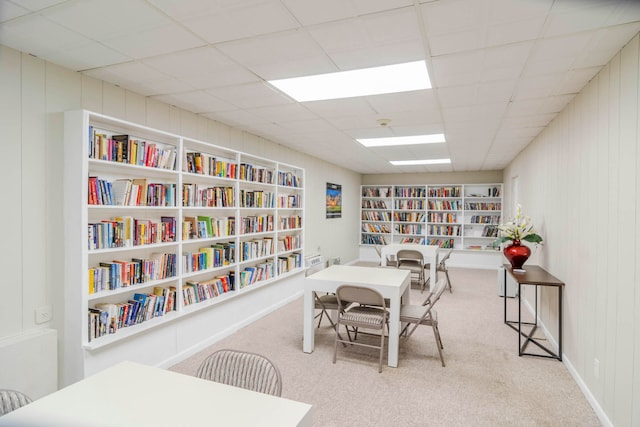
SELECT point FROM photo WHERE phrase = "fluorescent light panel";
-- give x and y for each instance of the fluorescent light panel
(402, 140)
(420, 162)
(347, 84)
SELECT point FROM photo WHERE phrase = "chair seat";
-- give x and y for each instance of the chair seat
(411, 313)
(365, 316)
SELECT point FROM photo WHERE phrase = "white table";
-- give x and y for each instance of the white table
(130, 394)
(429, 253)
(391, 283)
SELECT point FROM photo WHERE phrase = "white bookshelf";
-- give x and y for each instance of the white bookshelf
(257, 203)
(459, 216)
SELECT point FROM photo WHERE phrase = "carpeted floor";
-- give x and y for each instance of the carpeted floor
(485, 382)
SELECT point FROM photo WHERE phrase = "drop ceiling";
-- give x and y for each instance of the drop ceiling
(501, 69)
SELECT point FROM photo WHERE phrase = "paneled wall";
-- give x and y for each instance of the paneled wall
(34, 95)
(580, 182)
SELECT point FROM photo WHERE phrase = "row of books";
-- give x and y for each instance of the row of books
(289, 263)
(194, 292)
(485, 219)
(123, 149)
(130, 192)
(121, 232)
(289, 201)
(408, 229)
(372, 239)
(376, 228)
(483, 206)
(443, 243)
(253, 173)
(257, 273)
(444, 230)
(409, 204)
(107, 318)
(289, 243)
(207, 196)
(376, 192)
(374, 204)
(442, 217)
(408, 216)
(445, 192)
(257, 248)
(410, 192)
(255, 224)
(290, 222)
(207, 164)
(289, 179)
(110, 275)
(415, 240)
(256, 199)
(445, 205)
(204, 227)
(376, 216)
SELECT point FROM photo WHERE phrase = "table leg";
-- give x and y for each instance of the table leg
(308, 336)
(560, 323)
(394, 331)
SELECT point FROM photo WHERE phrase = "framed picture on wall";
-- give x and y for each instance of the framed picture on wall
(334, 200)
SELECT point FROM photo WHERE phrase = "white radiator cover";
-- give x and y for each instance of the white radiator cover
(29, 362)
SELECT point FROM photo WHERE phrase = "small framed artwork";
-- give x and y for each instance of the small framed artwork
(334, 200)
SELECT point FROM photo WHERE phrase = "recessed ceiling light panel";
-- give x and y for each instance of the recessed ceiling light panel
(347, 84)
(402, 140)
(420, 162)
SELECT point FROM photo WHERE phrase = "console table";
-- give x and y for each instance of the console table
(533, 275)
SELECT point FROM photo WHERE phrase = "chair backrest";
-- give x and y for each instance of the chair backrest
(11, 400)
(360, 295)
(445, 257)
(242, 369)
(441, 285)
(409, 254)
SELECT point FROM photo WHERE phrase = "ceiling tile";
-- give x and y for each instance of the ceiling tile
(310, 12)
(197, 102)
(238, 20)
(250, 95)
(9, 10)
(124, 74)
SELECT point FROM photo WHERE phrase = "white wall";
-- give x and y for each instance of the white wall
(580, 182)
(34, 95)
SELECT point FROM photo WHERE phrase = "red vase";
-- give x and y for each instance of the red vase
(517, 254)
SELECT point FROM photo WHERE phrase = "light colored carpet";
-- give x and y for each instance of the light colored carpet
(485, 382)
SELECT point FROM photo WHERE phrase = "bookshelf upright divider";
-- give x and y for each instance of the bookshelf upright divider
(160, 226)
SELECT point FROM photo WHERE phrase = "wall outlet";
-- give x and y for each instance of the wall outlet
(596, 368)
(43, 314)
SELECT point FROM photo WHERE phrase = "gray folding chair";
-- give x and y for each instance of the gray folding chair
(366, 309)
(243, 369)
(424, 314)
(11, 400)
(441, 268)
(413, 261)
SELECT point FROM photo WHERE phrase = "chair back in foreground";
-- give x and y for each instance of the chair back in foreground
(413, 261)
(365, 308)
(416, 315)
(11, 400)
(442, 267)
(243, 369)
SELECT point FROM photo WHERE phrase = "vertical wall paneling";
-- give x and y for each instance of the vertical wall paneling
(613, 227)
(601, 191)
(635, 416)
(626, 219)
(113, 101)
(135, 108)
(592, 242)
(10, 165)
(91, 93)
(34, 178)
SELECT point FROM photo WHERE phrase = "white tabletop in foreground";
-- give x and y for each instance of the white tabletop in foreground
(130, 394)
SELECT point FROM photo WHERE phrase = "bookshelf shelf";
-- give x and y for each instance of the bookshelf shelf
(458, 216)
(195, 205)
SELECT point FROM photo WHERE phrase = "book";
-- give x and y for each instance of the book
(141, 183)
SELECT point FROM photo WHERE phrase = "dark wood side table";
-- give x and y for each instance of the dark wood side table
(535, 276)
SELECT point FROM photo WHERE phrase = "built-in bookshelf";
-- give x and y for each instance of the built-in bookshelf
(458, 216)
(163, 226)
